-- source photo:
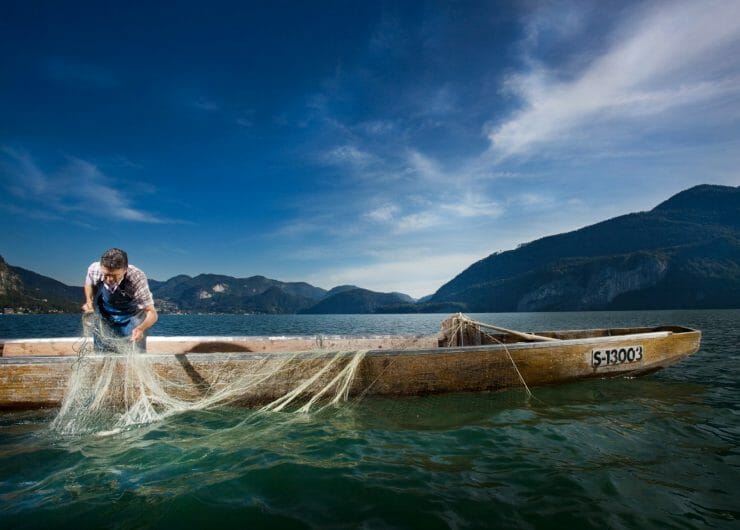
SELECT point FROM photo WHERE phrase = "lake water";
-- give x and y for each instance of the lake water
(661, 451)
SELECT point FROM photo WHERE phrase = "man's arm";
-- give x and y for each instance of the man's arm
(87, 307)
(149, 320)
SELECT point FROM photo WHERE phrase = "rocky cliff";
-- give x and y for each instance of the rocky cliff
(594, 285)
(11, 286)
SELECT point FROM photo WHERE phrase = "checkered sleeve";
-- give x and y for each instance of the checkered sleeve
(93, 274)
(142, 294)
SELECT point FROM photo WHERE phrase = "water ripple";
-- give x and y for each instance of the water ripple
(656, 452)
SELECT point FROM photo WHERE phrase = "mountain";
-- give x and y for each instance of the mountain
(356, 301)
(25, 291)
(404, 297)
(11, 287)
(339, 289)
(214, 293)
(685, 253)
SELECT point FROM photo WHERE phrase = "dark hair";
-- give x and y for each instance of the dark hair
(114, 258)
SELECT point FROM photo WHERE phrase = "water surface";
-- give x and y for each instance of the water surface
(655, 452)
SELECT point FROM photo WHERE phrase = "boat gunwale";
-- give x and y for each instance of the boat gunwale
(222, 338)
(676, 329)
(648, 334)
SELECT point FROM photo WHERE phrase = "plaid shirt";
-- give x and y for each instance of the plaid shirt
(139, 283)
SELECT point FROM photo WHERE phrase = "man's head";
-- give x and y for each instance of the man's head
(113, 265)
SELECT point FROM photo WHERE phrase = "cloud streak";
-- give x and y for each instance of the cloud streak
(680, 54)
(77, 189)
(402, 185)
(402, 274)
(349, 155)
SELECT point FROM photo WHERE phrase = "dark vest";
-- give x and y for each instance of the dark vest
(117, 307)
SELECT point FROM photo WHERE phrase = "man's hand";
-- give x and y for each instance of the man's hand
(137, 334)
(87, 307)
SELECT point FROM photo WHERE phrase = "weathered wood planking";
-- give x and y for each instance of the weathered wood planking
(215, 344)
(390, 368)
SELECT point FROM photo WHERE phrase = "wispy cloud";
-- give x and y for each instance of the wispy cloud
(402, 274)
(418, 221)
(383, 214)
(471, 204)
(228, 111)
(301, 227)
(78, 188)
(405, 193)
(665, 57)
(435, 103)
(205, 104)
(376, 127)
(423, 172)
(349, 155)
(424, 167)
(528, 200)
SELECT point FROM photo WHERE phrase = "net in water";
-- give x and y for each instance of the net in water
(120, 387)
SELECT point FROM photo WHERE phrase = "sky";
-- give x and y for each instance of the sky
(387, 145)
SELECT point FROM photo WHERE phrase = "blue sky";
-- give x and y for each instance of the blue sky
(383, 144)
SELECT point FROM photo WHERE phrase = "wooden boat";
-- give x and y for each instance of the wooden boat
(463, 358)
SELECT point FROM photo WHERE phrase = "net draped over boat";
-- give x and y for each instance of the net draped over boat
(115, 390)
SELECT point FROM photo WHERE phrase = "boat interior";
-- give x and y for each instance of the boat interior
(453, 334)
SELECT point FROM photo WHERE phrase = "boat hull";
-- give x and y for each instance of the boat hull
(36, 374)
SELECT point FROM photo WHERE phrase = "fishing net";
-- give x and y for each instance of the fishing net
(120, 387)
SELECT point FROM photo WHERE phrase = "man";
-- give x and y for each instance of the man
(120, 294)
